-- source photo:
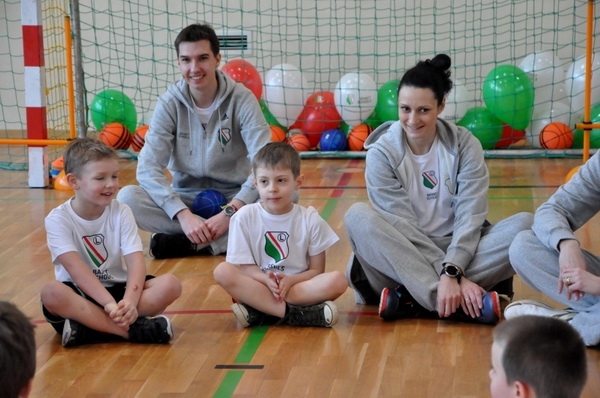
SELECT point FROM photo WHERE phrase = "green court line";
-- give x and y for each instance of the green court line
(256, 336)
(233, 377)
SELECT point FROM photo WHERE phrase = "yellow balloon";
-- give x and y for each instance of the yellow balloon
(60, 182)
(571, 173)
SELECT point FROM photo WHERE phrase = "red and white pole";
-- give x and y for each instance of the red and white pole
(35, 86)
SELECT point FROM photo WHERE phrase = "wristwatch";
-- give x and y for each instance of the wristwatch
(229, 209)
(452, 271)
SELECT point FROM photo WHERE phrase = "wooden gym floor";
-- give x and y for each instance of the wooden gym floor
(211, 355)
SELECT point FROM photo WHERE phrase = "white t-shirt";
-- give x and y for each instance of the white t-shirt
(431, 200)
(278, 243)
(101, 243)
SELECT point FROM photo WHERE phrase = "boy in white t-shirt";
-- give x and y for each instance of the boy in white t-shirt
(95, 297)
(275, 265)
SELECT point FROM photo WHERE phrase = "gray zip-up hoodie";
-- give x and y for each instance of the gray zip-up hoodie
(218, 157)
(462, 170)
(571, 206)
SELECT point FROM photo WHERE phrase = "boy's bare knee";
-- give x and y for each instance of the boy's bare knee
(53, 294)
(222, 273)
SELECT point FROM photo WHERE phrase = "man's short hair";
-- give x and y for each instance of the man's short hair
(197, 32)
(545, 353)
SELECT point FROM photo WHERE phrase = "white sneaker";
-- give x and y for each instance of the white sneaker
(533, 307)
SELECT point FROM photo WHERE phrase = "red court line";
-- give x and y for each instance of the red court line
(345, 178)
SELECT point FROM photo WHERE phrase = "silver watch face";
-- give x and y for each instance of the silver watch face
(229, 210)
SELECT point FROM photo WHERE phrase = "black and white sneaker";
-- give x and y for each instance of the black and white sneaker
(73, 334)
(246, 315)
(172, 246)
(151, 330)
(324, 315)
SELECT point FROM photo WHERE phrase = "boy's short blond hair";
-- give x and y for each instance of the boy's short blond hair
(277, 155)
(81, 151)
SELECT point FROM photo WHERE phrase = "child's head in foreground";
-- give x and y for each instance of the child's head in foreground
(534, 356)
(276, 168)
(82, 151)
(17, 352)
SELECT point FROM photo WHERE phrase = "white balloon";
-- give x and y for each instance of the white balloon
(355, 97)
(458, 101)
(285, 93)
(545, 70)
(575, 83)
(545, 114)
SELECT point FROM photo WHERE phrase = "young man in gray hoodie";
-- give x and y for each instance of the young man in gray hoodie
(549, 257)
(205, 131)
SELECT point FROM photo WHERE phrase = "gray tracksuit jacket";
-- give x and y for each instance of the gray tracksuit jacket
(217, 156)
(463, 171)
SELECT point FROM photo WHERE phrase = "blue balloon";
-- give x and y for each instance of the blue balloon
(208, 203)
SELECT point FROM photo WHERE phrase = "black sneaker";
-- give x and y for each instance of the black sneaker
(363, 293)
(246, 315)
(324, 314)
(151, 330)
(172, 246)
(74, 334)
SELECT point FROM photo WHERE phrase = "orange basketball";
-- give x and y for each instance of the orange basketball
(299, 142)
(357, 136)
(556, 135)
(277, 134)
(115, 135)
(139, 137)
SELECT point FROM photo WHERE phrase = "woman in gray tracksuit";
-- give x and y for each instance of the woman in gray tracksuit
(214, 153)
(550, 259)
(423, 236)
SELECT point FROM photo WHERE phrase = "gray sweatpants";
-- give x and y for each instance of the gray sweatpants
(537, 265)
(150, 217)
(400, 254)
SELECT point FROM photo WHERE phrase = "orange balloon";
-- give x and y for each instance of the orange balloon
(571, 173)
(277, 134)
(60, 182)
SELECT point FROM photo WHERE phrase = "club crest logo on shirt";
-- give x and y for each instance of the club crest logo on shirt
(224, 136)
(429, 179)
(95, 248)
(276, 245)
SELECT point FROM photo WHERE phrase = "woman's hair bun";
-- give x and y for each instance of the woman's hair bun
(441, 61)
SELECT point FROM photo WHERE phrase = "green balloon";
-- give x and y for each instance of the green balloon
(373, 120)
(509, 94)
(110, 106)
(387, 101)
(345, 127)
(594, 133)
(271, 120)
(483, 124)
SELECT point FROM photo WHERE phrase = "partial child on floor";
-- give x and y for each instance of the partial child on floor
(275, 265)
(95, 297)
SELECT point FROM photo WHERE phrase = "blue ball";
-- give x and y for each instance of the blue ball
(208, 203)
(333, 140)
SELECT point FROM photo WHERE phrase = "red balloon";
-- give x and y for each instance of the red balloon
(509, 136)
(319, 115)
(244, 72)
